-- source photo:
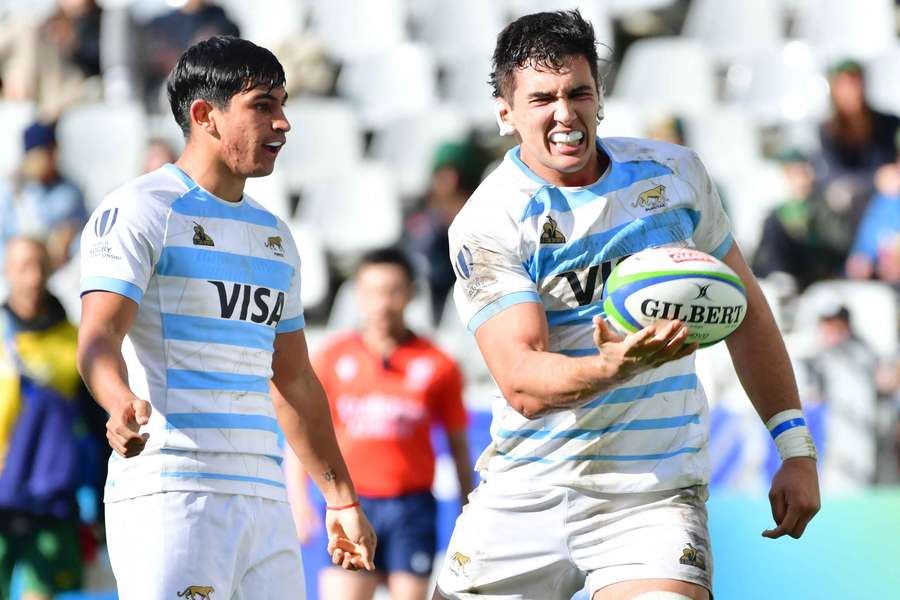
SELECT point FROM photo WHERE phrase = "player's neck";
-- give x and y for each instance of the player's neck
(212, 176)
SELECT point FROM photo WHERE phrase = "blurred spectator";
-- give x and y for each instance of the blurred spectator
(841, 377)
(39, 201)
(856, 139)
(666, 128)
(47, 420)
(307, 67)
(802, 237)
(387, 387)
(876, 250)
(167, 36)
(158, 153)
(52, 62)
(456, 172)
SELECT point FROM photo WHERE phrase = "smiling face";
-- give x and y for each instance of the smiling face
(252, 128)
(554, 113)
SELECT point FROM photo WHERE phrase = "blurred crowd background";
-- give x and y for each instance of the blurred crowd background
(792, 104)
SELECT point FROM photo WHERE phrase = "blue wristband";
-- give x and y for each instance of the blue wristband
(789, 424)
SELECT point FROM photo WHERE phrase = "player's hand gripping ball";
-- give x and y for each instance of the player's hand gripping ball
(675, 283)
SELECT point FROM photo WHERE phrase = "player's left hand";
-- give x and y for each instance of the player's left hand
(794, 497)
(351, 539)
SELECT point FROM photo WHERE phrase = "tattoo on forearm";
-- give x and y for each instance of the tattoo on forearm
(329, 475)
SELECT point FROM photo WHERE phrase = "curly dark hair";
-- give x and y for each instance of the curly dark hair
(544, 40)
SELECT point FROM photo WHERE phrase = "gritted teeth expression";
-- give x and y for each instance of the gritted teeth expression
(554, 113)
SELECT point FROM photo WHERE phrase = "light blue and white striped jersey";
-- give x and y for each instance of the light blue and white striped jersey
(215, 282)
(520, 239)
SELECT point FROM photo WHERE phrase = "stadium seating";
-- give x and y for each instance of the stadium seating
(324, 142)
(407, 145)
(883, 80)
(356, 212)
(461, 27)
(839, 29)
(872, 305)
(316, 278)
(388, 85)
(782, 84)
(14, 118)
(668, 73)
(354, 29)
(101, 146)
(735, 30)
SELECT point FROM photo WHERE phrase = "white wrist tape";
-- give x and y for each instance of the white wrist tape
(792, 438)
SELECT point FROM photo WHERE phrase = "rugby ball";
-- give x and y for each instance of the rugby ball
(675, 283)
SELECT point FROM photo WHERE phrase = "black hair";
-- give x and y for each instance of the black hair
(215, 70)
(388, 256)
(544, 40)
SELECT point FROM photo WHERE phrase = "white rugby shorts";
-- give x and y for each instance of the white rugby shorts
(544, 544)
(203, 546)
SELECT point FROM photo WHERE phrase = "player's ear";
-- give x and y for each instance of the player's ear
(503, 112)
(202, 116)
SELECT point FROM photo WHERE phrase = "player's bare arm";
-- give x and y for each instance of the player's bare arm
(764, 369)
(303, 413)
(459, 450)
(534, 381)
(105, 319)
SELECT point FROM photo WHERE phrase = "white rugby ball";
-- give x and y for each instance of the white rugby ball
(675, 283)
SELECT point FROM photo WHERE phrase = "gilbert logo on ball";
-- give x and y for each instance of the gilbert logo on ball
(675, 283)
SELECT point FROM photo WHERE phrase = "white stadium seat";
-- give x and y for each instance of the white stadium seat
(621, 119)
(594, 11)
(460, 27)
(668, 73)
(390, 85)
(325, 140)
(883, 80)
(840, 29)
(408, 145)
(872, 306)
(14, 118)
(355, 29)
(272, 192)
(281, 19)
(727, 140)
(735, 30)
(750, 195)
(101, 146)
(356, 212)
(466, 85)
(784, 84)
(315, 277)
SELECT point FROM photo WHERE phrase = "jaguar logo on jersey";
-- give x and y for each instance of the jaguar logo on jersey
(550, 233)
(201, 238)
(197, 592)
(464, 263)
(104, 223)
(267, 307)
(458, 563)
(693, 556)
(652, 199)
(274, 244)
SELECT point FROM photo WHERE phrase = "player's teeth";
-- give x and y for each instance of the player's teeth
(274, 144)
(572, 137)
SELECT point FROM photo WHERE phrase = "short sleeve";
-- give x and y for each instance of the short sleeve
(490, 271)
(448, 407)
(292, 318)
(713, 232)
(120, 246)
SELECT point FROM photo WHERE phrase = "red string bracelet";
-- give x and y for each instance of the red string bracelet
(343, 507)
